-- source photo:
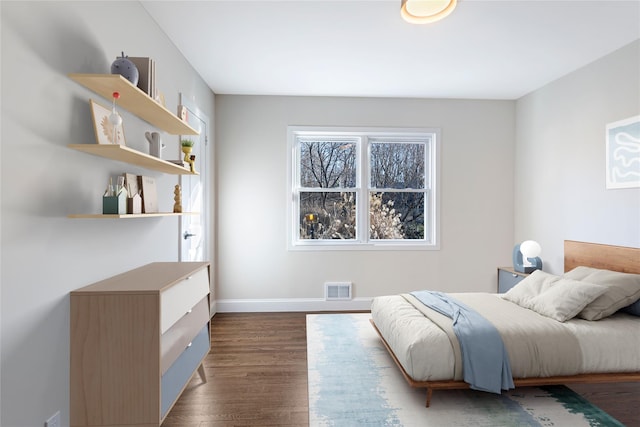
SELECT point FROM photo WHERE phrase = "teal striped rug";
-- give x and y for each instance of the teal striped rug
(354, 382)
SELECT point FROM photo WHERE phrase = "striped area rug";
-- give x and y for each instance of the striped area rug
(354, 382)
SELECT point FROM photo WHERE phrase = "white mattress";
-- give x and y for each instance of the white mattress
(538, 346)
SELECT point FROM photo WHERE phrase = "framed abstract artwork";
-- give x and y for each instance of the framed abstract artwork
(106, 133)
(623, 153)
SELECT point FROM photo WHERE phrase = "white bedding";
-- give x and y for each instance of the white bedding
(538, 346)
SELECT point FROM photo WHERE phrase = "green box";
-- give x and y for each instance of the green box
(115, 204)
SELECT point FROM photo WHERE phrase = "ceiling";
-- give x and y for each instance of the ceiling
(486, 49)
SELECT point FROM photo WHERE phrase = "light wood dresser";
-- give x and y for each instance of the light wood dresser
(136, 340)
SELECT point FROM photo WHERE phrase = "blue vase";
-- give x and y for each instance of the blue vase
(126, 69)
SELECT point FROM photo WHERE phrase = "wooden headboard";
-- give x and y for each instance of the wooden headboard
(616, 258)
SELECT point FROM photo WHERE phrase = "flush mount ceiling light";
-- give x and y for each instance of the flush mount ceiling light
(426, 11)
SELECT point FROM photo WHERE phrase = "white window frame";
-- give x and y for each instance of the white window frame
(362, 241)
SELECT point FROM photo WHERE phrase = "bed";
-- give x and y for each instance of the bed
(543, 349)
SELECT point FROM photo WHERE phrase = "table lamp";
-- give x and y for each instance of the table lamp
(526, 257)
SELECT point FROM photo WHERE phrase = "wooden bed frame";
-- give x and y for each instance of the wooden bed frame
(616, 258)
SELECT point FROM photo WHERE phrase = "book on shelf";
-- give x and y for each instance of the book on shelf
(146, 71)
(149, 194)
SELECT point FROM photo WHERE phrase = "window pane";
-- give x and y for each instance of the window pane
(327, 163)
(327, 215)
(396, 216)
(397, 165)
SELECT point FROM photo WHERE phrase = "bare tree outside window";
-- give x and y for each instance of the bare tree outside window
(328, 164)
(397, 171)
(363, 188)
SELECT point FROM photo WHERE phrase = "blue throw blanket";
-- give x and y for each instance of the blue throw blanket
(484, 358)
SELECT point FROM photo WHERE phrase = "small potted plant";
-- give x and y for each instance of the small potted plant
(187, 146)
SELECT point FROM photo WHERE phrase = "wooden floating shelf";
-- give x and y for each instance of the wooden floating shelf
(129, 216)
(131, 156)
(134, 100)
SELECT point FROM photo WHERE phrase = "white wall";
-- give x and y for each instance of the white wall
(560, 158)
(476, 205)
(44, 254)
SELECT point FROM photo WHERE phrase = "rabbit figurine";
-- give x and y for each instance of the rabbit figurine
(155, 144)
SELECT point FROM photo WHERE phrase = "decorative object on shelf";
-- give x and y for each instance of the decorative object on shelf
(182, 112)
(134, 204)
(160, 98)
(149, 194)
(126, 69)
(131, 182)
(187, 146)
(177, 197)
(106, 132)
(114, 118)
(623, 153)
(134, 200)
(114, 200)
(426, 11)
(192, 163)
(146, 69)
(155, 144)
(526, 257)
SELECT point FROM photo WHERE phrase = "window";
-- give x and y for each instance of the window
(362, 189)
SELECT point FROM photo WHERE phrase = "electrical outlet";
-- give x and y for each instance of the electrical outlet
(53, 421)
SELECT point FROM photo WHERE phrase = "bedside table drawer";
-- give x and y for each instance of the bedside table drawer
(507, 279)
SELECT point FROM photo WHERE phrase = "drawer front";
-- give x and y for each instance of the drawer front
(176, 301)
(177, 376)
(176, 339)
(507, 280)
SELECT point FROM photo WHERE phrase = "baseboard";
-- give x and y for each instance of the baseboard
(290, 304)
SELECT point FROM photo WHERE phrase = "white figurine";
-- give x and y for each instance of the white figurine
(155, 144)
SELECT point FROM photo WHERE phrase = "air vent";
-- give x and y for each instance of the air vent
(337, 291)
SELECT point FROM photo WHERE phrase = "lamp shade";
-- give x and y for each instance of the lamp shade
(530, 248)
(426, 11)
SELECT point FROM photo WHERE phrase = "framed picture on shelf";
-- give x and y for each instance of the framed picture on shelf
(106, 133)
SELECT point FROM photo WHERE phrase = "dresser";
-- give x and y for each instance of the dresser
(136, 339)
(508, 278)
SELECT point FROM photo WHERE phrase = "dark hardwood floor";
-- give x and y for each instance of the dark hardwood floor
(257, 376)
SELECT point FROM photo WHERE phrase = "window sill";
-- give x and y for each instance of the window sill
(364, 247)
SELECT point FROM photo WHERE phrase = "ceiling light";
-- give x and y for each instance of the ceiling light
(426, 11)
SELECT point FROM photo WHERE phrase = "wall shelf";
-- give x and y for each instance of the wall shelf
(131, 156)
(135, 101)
(140, 104)
(128, 216)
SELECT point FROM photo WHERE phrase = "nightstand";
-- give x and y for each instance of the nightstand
(508, 278)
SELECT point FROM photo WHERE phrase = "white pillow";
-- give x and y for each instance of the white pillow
(565, 299)
(552, 296)
(623, 289)
(529, 287)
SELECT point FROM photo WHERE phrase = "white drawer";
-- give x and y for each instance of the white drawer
(182, 297)
(177, 338)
